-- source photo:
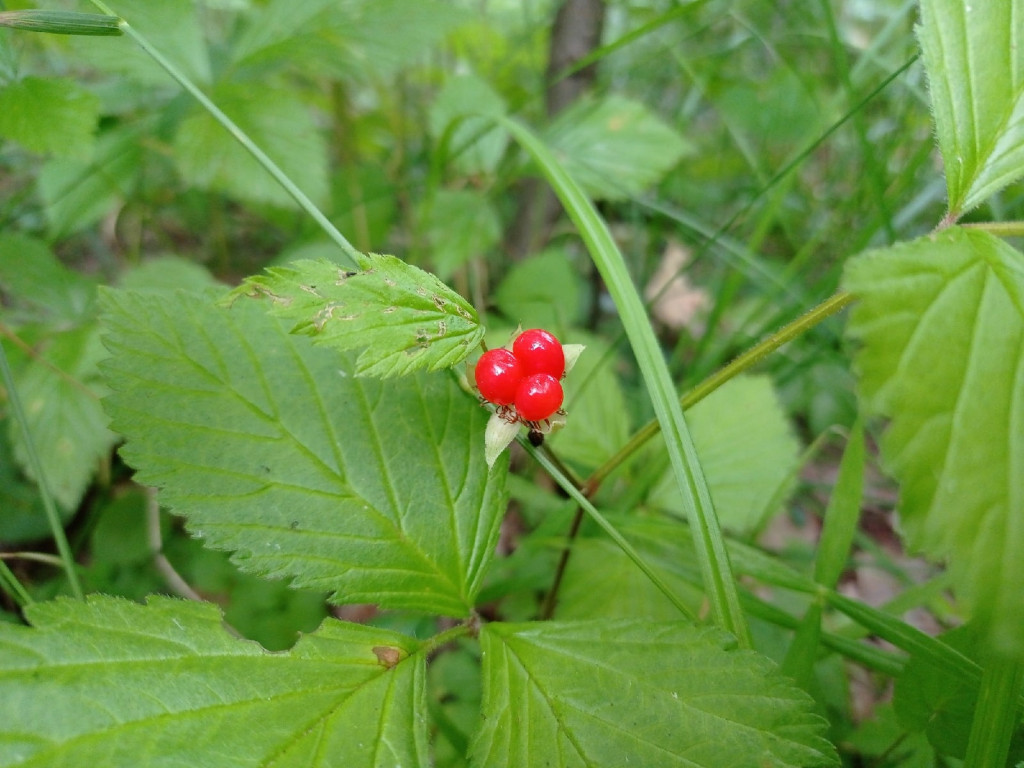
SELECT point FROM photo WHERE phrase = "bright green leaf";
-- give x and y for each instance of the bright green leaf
(459, 225)
(50, 116)
(616, 693)
(747, 450)
(273, 449)
(974, 54)
(615, 148)
(405, 318)
(112, 683)
(475, 143)
(278, 121)
(941, 324)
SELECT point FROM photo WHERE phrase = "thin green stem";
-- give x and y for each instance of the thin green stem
(14, 587)
(996, 714)
(36, 465)
(240, 136)
(745, 361)
(998, 228)
(716, 570)
(443, 638)
(566, 485)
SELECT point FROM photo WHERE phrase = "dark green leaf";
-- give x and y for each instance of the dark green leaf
(112, 683)
(275, 450)
(403, 318)
(616, 693)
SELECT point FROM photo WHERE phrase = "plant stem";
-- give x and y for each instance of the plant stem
(716, 571)
(996, 713)
(747, 360)
(37, 469)
(13, 586)
(241, 137)
(998, 228)
(551, 600)
(567, 486)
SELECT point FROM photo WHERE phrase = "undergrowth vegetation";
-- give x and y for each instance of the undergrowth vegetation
(766, 508)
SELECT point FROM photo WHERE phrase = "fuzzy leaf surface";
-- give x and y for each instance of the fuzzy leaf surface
(940, 321)
(615, 693)
(274, 450)
(403, 318)
(616, 147)
(113, 683)
(974, 54)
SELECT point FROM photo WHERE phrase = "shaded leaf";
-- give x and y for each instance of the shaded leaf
(747, 449)
(614, 148)
(475, 143)
(941, 326)
(459, 225)
(50, 116)
(172, 26)
(278, 121)
(542, 291)
(974, 55)
(114, 683)
(61, 391)
(272, 449)
(403, 318)
(614, 693)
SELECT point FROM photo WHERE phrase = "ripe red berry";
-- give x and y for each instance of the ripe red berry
(539, 352)
(538, 396)
(498, 375)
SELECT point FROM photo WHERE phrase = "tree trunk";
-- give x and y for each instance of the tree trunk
(575, 34)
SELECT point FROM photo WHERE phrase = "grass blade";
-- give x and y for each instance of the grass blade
(710, 544)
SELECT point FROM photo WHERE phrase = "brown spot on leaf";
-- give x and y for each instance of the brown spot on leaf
(387, 655)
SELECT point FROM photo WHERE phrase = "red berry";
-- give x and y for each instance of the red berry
(539, 352)
(538, 396)
(498, 375)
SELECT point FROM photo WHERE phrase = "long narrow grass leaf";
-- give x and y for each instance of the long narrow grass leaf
(710, 543)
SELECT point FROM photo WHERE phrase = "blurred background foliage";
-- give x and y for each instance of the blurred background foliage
(741, 150)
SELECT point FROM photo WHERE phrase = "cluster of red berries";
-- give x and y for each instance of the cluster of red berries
(525, 377)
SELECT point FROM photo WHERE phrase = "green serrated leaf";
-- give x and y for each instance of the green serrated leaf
(974, 55)
(941, 324)
(615, 148)
(747, 449)
(403, 318)
(278, 121)
(615, 693)
(112, 683)
(273, 449)
(50, 116)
